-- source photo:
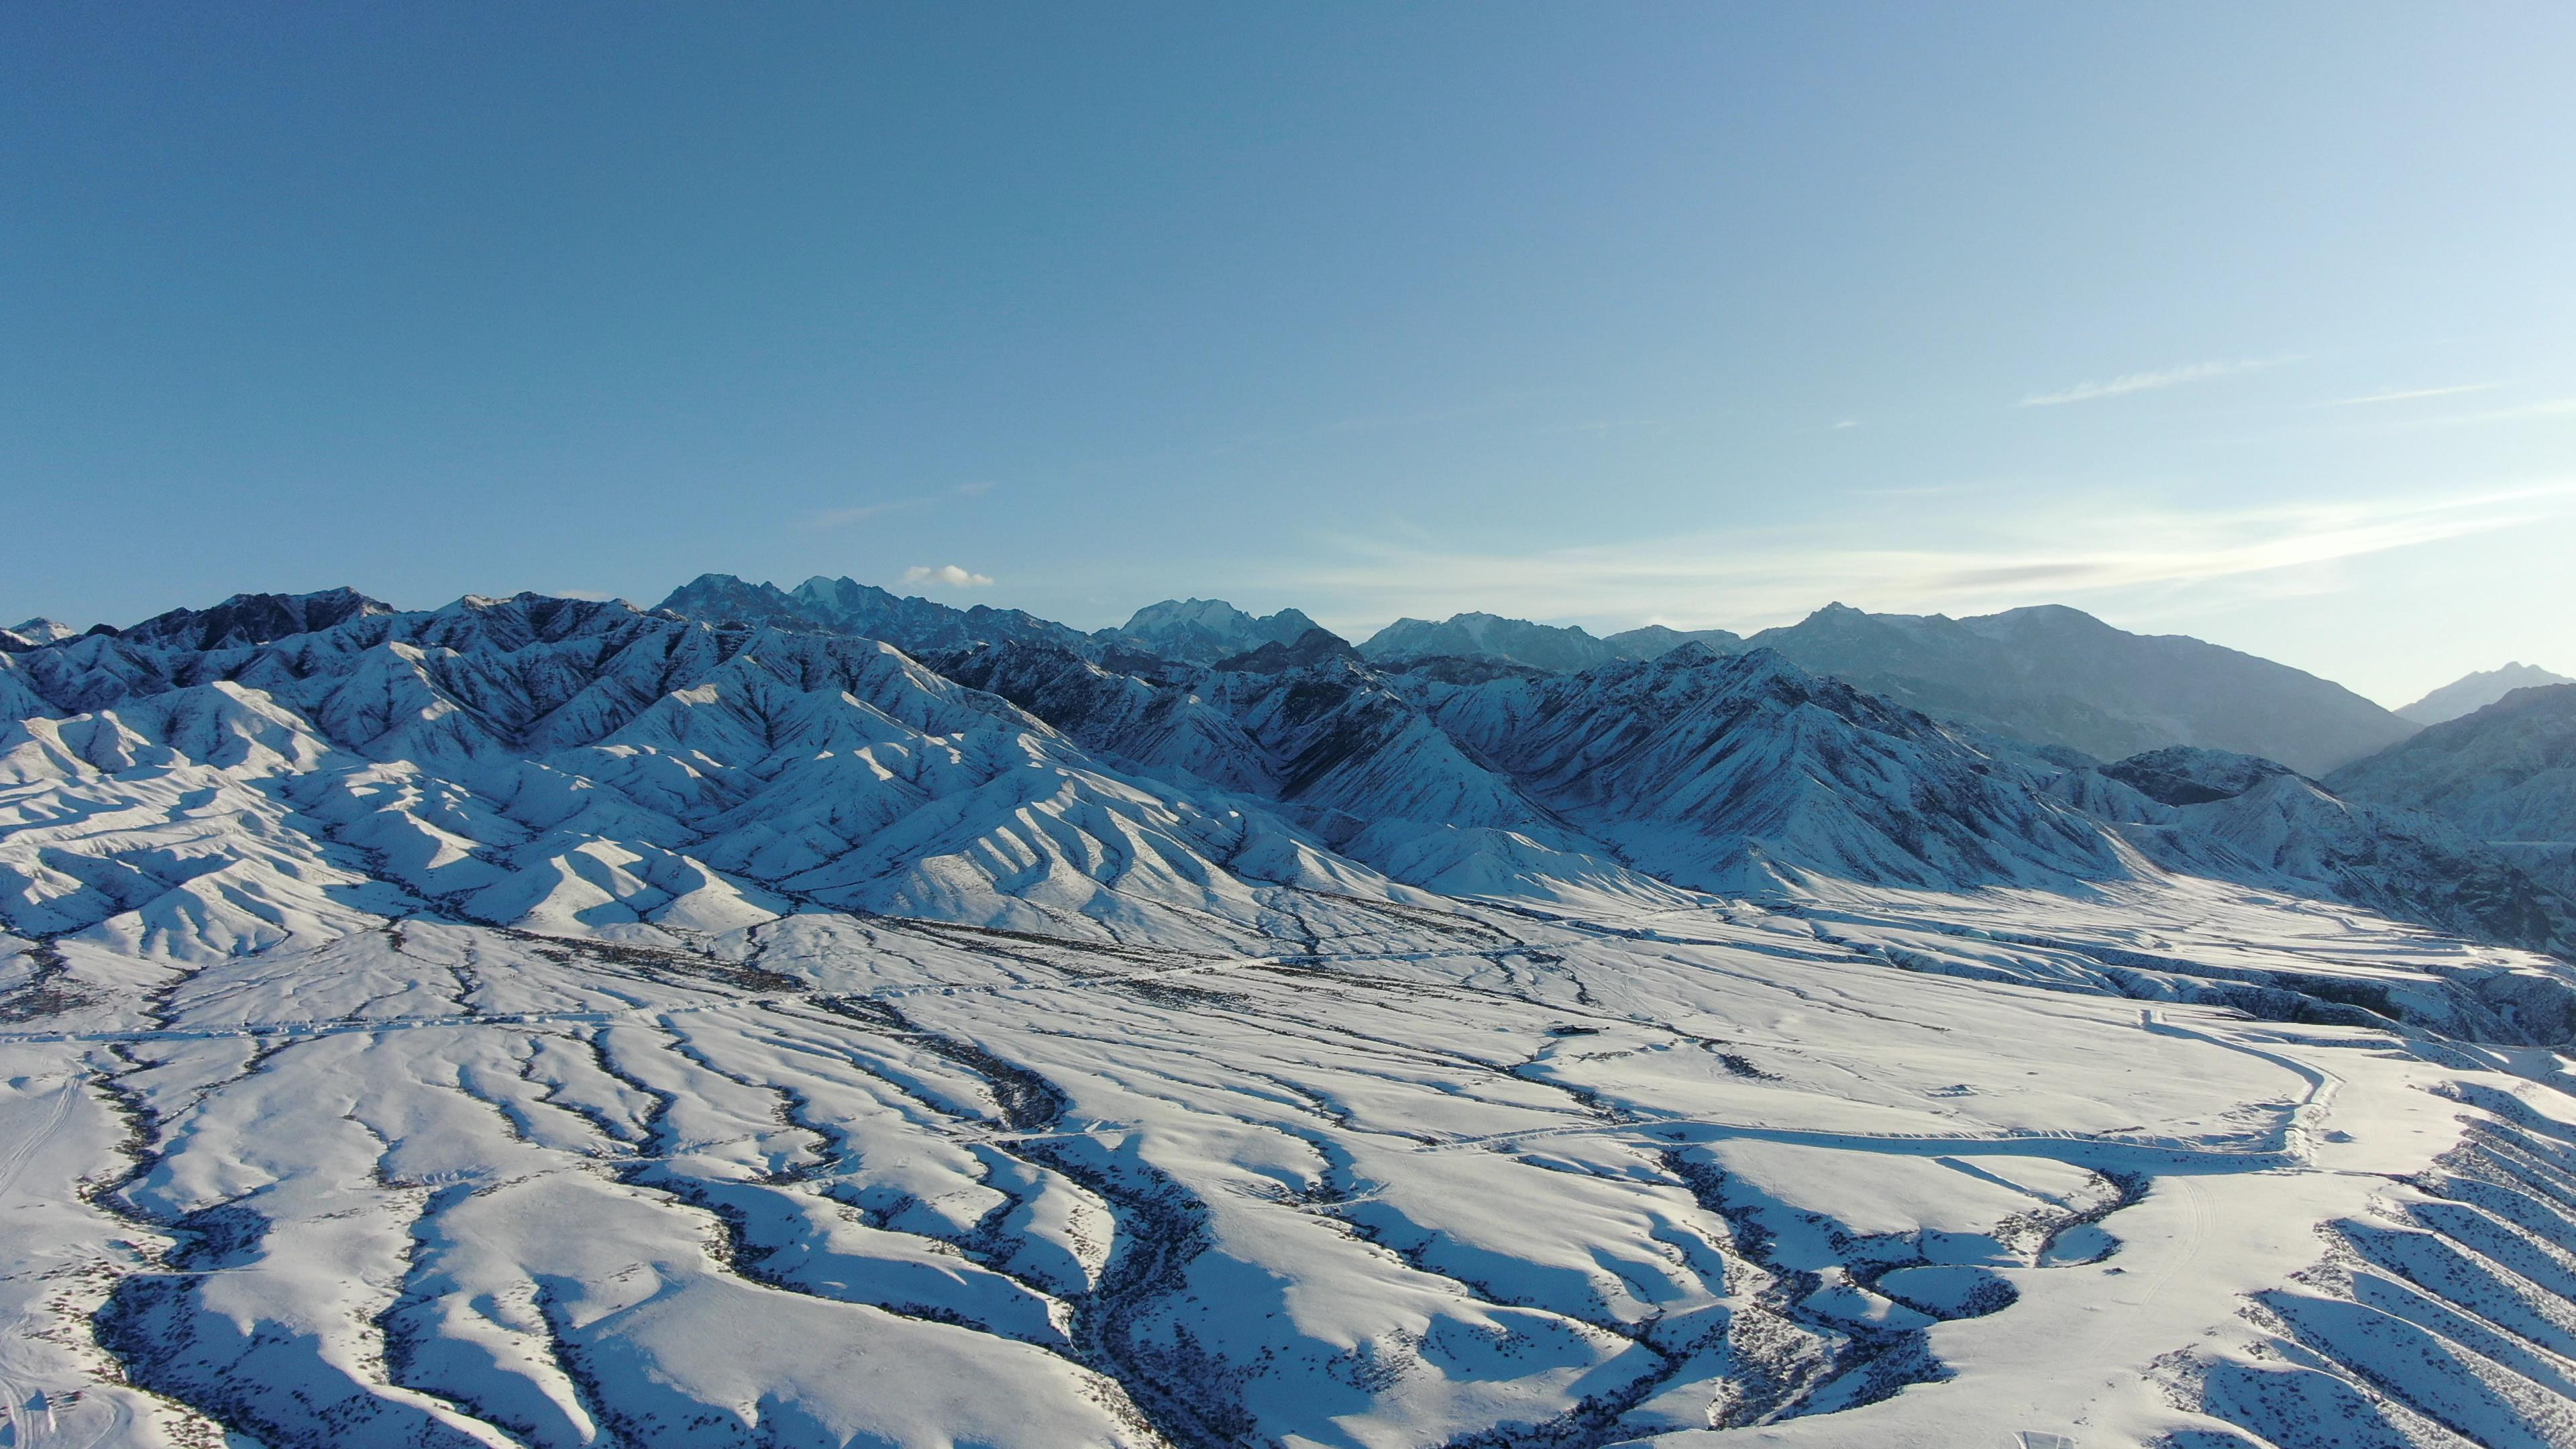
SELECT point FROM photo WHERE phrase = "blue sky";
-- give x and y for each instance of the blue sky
(2255, 323)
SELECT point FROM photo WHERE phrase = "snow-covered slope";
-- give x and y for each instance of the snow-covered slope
(2505, 773)
(543, 1023)
(2404, 863)
(2473, 692)
(559, 764)
(1746, 772)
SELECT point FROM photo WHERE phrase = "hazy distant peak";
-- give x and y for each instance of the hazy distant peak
(1648, 641)
(2056, 675)
(2473, 692)
(2037, 619)
(1478, 635)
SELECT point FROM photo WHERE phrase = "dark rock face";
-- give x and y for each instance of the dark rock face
(2185, 776)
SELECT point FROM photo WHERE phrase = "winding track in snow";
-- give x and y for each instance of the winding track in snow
(2292, 1135)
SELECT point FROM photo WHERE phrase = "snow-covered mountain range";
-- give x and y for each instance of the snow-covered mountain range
(547, 1022)
(2048, 675)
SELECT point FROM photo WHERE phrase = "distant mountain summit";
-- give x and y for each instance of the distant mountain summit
(1489, 636)
(2472, 692)
(846, 606)
(1562, 649)
(1203, 631)
(2058, 676)
(2048, 675)
(1655, 639)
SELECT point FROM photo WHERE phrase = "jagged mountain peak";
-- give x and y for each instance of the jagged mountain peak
(846, 606)
(1203, 631)
(1192, 610)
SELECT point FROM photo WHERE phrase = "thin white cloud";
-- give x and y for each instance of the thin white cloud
(859, 513)
(2412, 394)
(2062, 552)
(841, 517)
(2129, 382)
(947, 576)
(2556, 407)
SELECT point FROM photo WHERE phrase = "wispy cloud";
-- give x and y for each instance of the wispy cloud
(2129, 382)
(2556, 407)
(2066, 551)
(861, 512)
(2412, 394)
(842, 517)
(948, 576)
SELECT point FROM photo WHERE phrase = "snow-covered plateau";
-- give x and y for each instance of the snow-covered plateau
(547, 1023)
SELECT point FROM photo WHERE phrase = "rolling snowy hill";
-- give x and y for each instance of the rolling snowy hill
(541, 1022)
